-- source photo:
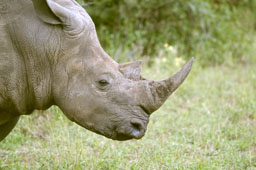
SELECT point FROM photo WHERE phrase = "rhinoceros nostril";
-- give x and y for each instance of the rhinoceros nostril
(136, 125)
(137, 130)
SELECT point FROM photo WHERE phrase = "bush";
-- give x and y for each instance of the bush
(214, 31)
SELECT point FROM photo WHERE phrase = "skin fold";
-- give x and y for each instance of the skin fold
(50, 55)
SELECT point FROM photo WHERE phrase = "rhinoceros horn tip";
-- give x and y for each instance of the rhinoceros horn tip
(161, 90)
(179, 77)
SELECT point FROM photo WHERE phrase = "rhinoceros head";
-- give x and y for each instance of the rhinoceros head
(92, 89)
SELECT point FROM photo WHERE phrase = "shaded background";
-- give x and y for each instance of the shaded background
(214, 31)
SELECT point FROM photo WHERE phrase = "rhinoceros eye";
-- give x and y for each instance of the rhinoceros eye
(103, 83)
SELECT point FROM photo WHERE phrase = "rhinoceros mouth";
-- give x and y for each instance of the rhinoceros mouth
(122, 137)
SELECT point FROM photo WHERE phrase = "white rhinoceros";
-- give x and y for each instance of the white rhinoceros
(50, 55)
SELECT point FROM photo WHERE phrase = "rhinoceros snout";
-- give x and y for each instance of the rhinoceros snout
(135, 130)
(138, 130)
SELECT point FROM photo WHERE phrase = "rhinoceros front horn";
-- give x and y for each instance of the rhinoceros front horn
(161, 90)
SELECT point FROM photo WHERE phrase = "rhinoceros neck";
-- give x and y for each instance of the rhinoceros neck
(31, 43)
(11, 10)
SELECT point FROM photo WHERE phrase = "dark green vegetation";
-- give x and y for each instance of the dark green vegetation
(213, 31)
(209, 123)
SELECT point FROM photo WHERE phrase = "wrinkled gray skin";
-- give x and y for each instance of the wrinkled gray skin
(50, 55)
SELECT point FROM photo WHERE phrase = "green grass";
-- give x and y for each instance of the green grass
(209, 123)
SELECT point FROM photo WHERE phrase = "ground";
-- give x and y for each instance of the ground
(209, 123)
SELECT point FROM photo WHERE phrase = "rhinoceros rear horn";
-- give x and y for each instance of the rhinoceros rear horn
(53, 13)
(131, 70)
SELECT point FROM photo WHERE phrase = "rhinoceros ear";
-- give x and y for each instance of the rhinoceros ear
(53, 13)
(131, 70)
(45, 13)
